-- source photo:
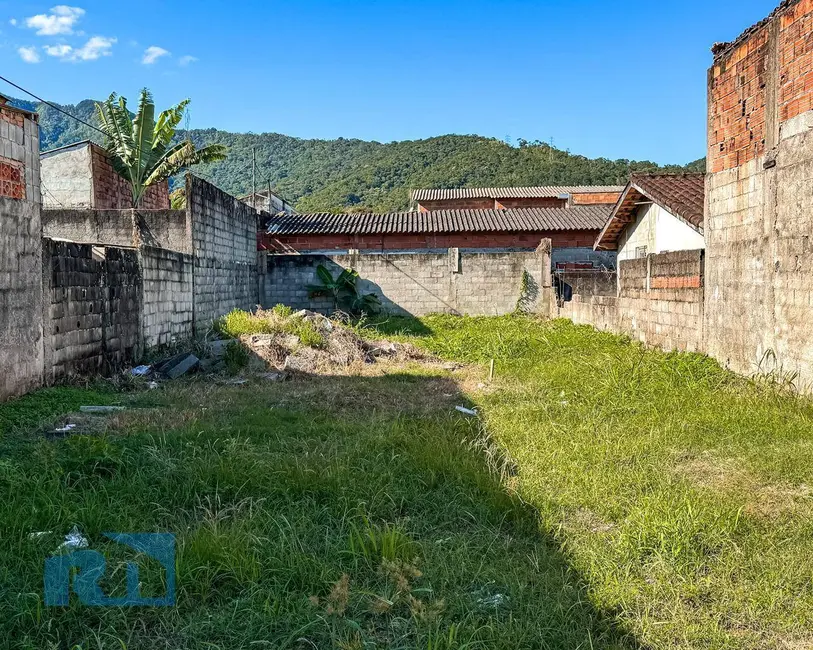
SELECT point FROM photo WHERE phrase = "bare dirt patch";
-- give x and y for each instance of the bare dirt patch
(760, 499)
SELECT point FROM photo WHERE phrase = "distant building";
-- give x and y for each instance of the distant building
(505, 198)
(268, 201)
(81, 176)
(571, 231)
(655, 214)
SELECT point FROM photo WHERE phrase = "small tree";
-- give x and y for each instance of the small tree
(141, 148)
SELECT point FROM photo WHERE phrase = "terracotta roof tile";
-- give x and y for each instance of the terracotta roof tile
(683, 195)
(539, 192)
(583, 217)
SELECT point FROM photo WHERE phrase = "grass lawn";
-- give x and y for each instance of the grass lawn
(607, 497)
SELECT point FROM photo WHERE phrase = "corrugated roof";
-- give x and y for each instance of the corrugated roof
(683, 195)
(582, 217)
(538, 192)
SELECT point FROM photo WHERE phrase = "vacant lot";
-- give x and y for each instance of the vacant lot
(607, 497)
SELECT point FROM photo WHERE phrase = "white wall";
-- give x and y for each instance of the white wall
(658, 230)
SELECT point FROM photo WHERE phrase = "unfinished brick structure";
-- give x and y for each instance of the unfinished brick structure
(82, 176)
(20, 252)
(759, 218)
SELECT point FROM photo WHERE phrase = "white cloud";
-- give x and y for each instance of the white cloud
(13, 22)
(152, 54)
(95, 48)
(59, 51)
(60, 20)
(186, 60)
(29, 54)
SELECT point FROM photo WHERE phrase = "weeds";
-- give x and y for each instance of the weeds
(608, 496)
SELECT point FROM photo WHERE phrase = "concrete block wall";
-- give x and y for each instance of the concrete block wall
(659, 300)
(168, 229)
(759, 271)
(91, 313)
(21, 351)
(224, 243)
(167, 314)
(418, 283)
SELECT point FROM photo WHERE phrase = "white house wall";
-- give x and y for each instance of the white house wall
(658, 230)
(640, 232)
(672, 234)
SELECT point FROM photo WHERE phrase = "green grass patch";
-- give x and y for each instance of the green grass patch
(608, 497)
(279, 320)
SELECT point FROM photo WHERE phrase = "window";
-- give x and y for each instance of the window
(640, 252)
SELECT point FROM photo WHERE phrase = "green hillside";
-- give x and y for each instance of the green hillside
(356, 175)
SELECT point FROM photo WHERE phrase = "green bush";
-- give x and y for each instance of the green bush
(278, 320)
(236, 357)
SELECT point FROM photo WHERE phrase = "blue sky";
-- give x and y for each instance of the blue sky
(620, 79)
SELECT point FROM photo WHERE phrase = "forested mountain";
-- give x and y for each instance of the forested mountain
(356, 175)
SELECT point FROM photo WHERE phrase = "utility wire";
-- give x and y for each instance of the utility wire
(54, 106)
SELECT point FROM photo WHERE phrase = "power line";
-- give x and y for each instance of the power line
(54, 106)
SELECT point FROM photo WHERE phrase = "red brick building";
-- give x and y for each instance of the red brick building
(82, 176)
(506, 198)
(523, 228)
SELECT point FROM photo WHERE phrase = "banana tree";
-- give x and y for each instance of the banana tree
(344, 291)
(141, 147)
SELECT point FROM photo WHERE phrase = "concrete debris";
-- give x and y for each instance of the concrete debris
(321, 322)
(382, 349)
(217, 349)
(100, 409)
(178, 365)
(466, 411)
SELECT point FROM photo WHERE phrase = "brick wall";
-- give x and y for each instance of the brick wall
(167, 314)
(457, 204)
(759, 272)
(91, 312)
(382, 242)
(224, 241)
(21, 355)
(605, 198)
(545, 202)
(112, 192)
(419, 283)
(659, 300)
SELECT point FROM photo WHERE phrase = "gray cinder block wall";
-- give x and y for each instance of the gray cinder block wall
(92, 309)
(224, 244)
(759, 216)
(167, 314)
(455, 282)
(658, 300)
(21, 353)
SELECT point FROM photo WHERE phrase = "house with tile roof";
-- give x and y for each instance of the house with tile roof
(656, 213)
(572, 232)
